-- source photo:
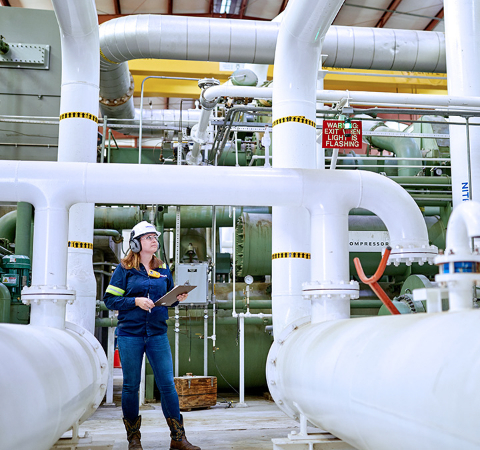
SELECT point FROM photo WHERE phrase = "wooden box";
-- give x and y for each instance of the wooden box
(196, 392)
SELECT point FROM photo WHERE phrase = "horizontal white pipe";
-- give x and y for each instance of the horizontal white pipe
(64, 184)
(354, 97)
(244, 41)
(170, 119)
(51, 379)
(395, 383)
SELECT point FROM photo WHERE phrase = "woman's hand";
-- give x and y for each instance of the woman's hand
(182, 297)
(144, 303)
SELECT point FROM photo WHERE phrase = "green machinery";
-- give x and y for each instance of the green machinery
(15, 274)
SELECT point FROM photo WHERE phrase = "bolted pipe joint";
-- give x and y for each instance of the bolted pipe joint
(418, 252)
(204, 84)
(48, 304)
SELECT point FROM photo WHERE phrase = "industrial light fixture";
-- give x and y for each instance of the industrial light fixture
(225, 6)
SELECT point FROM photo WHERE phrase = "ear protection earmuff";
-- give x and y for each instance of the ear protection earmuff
(135, 244)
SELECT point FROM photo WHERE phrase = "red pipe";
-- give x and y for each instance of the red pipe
(373, 280)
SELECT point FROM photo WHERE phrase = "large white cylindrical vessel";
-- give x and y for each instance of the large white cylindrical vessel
(59, 378)
(393, 382)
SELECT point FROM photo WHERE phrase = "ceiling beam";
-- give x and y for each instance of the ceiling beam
(243, 7)
(106, 17)
(387, 14)
(284, 5)
(170, 7)
(118, 9)
(4, 3)
(433, 23)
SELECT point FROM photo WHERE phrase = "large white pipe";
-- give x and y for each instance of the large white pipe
(77, 141)
(243, 41)
(396, 382)
(297, 58)
(51, 379)
(462, 19)
(354, 97)
(64, 184)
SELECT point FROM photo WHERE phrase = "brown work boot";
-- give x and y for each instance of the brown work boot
(133, 433)
(177, 433)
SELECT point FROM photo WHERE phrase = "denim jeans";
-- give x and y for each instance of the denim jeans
(157, 348)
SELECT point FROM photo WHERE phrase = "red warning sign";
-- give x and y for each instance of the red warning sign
(335, 135)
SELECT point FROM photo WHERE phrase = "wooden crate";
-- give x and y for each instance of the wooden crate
(196, 392)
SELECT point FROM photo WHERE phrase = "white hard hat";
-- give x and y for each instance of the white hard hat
(143, 228)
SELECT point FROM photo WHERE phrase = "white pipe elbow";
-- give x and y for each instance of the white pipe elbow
(464, 224)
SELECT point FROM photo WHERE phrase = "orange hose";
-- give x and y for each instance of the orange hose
(373, 280)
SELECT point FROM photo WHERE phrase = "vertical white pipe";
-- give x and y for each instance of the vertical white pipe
(297, 57)
(205, 342)
(241, 323)
(77, 140)
(110, 358)
(330, 263)
(462, 42)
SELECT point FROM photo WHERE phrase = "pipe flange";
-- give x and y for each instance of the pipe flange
(208, 82)
(120, 100)
(35, 294)
(272, 374)
(457, 257)
(411, 254)
(318, 289)
(102, 363)
(193, 160)
(471, 277)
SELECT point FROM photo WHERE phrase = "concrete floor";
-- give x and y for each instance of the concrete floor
(218, 428)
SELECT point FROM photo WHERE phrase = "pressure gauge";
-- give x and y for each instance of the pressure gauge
(249, 279)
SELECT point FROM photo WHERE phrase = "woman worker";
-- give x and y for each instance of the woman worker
(137, 283)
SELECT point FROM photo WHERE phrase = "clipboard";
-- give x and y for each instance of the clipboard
(171, 297)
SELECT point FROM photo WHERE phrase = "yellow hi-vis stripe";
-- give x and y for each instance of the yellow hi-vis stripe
(302, 255)
(299, 119)
(114, 290)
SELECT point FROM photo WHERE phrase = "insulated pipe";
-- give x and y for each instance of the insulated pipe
(77, 141)
(297, 58)
(244, 41)
(64, 184)
(462, 18)
(62, 374)
(354, 97)
(5, 301)
(343, 376)
(402, 147)
(171, 119)
(7, 225)
(23, 229)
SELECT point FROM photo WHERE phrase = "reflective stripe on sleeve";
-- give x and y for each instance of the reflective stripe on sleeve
(114, 290)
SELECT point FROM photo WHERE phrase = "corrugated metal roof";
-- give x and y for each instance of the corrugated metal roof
(400, 14)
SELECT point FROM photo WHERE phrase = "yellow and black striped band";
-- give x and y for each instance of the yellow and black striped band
(79, 115)
(292, 255)
(106, 59)
(76, 244)
(300, 119)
